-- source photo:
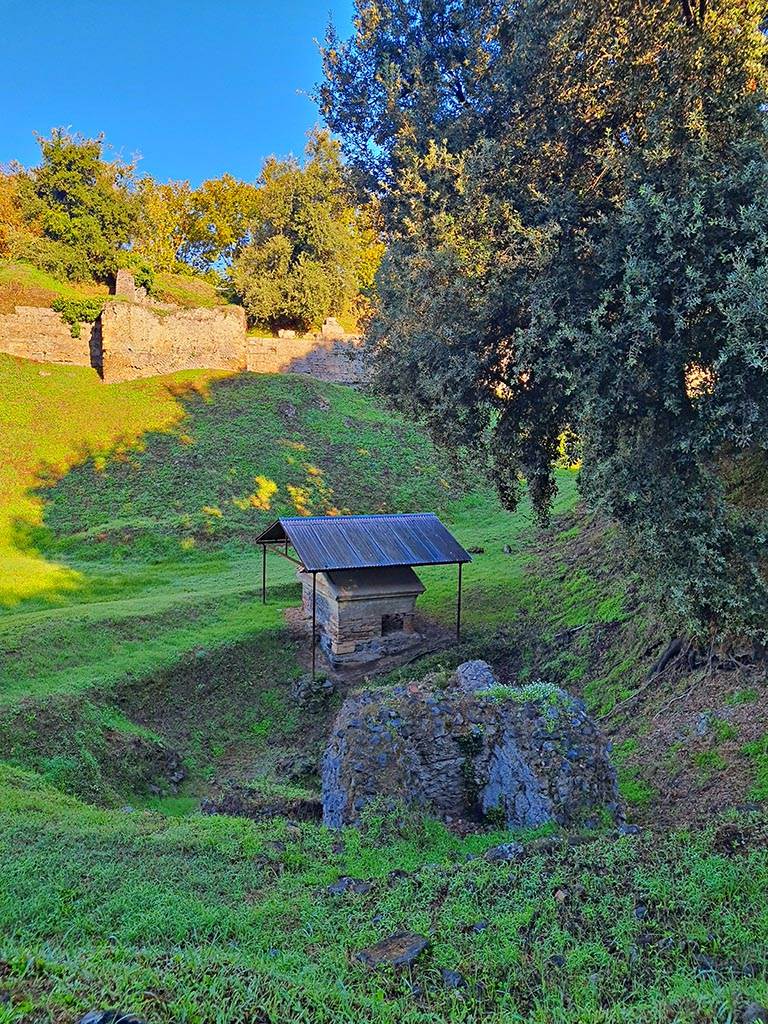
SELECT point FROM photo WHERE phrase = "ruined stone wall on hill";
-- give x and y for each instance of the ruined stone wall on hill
(136, 336)
(338, 360)
(138, 341)
(34, 332)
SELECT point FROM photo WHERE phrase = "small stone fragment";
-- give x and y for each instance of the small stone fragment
(453, 980)
(396, 875)
(110, 1017)
(475, 675)
(753, 1013)
(628, 830)
(504, 853)
(346, 884)
(397, 950)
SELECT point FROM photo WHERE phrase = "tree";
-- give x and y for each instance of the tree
(79, 204)
(222, 210)
(12, 225)
(163, 223)
(575, 200)
(310, 249)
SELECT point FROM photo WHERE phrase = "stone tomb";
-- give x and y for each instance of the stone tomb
(363, 614)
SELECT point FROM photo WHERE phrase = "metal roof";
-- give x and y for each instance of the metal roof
(325, 543)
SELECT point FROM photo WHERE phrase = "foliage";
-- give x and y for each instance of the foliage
(165, 210)
(310, 250)
(195, 228)
(75, 311)
(79, 207)
(11, 219)
(574, 200)
(537, 692)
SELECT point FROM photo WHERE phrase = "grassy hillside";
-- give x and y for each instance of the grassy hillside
(133, 640)
(51, 418)
(22, 284)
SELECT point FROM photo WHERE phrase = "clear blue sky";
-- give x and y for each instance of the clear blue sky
(196, 88)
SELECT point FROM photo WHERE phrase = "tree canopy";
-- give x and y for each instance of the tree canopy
(310, 252)
(75, 208)
(292, 246)
(575, 201)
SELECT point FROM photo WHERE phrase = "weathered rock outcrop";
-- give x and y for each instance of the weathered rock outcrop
(469, 751)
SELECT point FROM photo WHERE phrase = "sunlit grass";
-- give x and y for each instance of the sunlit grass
(51, 418)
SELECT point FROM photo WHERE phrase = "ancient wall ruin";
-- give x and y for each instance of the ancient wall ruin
(139, 341)
(34, 332)
(138, 337)
(339, 360)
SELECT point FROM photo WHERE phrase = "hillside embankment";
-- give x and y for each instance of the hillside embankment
(140, 673)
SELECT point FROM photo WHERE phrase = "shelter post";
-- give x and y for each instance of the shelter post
(314, 620)
(458, 606)
(263, 573)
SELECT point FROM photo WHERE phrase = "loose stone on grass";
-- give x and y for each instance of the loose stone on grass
(346, 885)
(399, 950)
(110, 1017)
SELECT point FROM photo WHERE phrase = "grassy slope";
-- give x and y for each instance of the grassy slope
(187, 290)
(52, 417)
(22, 284)
(156, 634)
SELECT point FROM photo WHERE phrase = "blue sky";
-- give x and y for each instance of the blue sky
(196, 88)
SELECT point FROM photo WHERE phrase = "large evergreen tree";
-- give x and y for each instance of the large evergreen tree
(79, 208)
(576, 205)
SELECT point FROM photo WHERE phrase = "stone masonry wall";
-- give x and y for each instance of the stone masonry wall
(137, 337)
(34, 332)
(339, 360)
(138, 341)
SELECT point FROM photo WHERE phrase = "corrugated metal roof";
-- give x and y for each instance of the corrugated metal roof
(324, 543)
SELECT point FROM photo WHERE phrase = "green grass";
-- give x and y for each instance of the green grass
(757, 752)
(215, 920)
(187, 290)
(636, 791)
(21, 284)
(133, 627)
(51, 418)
